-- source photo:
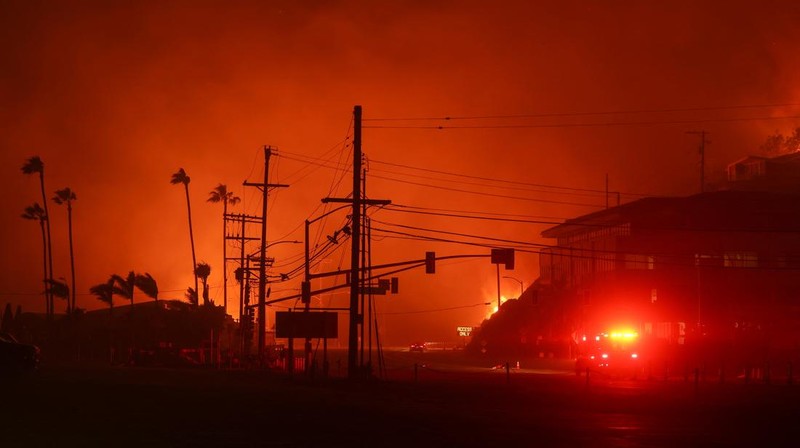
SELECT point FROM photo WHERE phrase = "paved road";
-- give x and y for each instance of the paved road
(99, 406)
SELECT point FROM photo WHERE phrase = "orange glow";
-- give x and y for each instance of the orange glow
(116, 96)
(494, 310)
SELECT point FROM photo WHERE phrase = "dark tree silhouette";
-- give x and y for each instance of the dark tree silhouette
(203, 270)
(147, 284)
(66, 196)
(34, 165)
(60, 289)
(778, 144)
(104, 292)
(180, 177)
(124, 286)
(36, 212)
(191, 296)
(221, 194)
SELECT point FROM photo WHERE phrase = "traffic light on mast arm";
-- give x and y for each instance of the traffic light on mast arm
(503, 256)
(430, 262)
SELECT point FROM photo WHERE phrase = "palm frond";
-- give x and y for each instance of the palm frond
(104, 292)
(180, 177)
(219, 193)
(58, 288)
(147, 284)
(34, 211)
(191, 296)
(203, 270)
(123, 286)
(33, 165)
(64, 196)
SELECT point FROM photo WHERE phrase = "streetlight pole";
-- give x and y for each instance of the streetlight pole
(521, 285)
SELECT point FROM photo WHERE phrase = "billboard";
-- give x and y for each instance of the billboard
(301, 324)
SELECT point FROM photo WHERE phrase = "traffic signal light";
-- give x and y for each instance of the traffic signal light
(503, 256)
(430, 262)
(249, 318)
(509, 259)
(395, 285)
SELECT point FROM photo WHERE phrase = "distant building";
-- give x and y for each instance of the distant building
(775, 174)
(724, 265)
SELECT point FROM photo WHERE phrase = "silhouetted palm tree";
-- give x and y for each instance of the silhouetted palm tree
(66, 196)
(221, 194)
(147, 284)
(60, 289)
(105, 293)
(180, 177)
(203, 270)
(31, 166)
(36, 212)
(191, 296)
(123, 286)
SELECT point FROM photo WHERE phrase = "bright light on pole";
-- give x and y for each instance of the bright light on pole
(521, 285)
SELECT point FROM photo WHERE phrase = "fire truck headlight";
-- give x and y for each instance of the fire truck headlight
(634, 355)
(605, 356)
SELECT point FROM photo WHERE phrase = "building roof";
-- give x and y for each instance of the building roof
(719, 210)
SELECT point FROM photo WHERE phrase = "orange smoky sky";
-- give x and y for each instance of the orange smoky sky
(116, 96)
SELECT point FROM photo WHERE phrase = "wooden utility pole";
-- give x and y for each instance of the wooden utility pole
(356, 318)
(262, 267)
(355, 239)
(702, 151)
(243, 220)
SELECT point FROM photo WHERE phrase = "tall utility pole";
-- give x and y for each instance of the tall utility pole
(262, 266)
(702, 151)
(356, 319)
(243, 220)
(355, 239)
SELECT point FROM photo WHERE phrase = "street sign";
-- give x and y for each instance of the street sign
(464, 331)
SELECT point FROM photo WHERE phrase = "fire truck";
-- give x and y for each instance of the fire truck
(613, 353)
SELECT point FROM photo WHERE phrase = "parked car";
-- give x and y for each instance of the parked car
(16, 356)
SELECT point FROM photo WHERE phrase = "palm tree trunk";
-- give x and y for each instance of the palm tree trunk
(50, 304)
(71, 256)
(191, 235)
(224, 257)
(44, 262)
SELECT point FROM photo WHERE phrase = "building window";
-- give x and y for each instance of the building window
(791, 261)
(740, 260)
(637, 261)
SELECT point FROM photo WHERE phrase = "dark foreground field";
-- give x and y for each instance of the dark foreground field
(444, 406)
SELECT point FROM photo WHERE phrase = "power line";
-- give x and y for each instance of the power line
(573, 193)
(445, 232)
(485, 218)
(481, 193)
(582, 114)
(489, 179)
(475, 212)
(600, 124)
